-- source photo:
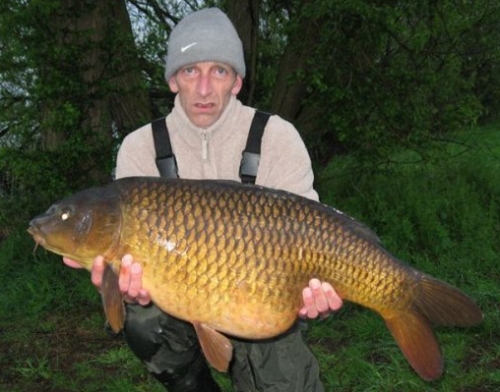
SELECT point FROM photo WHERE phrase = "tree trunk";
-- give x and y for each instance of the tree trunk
(245, 16)
(104, 97)
(292, 79)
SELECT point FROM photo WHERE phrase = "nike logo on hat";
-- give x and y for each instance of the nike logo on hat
(184, 48)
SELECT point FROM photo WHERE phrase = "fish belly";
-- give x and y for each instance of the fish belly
(243, 307)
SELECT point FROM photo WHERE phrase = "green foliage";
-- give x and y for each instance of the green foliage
(59, 127)
(385, 75)
(371, 77)
(30, 180)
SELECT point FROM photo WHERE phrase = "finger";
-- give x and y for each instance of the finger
(97, 271)
(303, 312)
(334, 300)
(125, 274)
(320, 300)
(309, 309)
(144, 298)
(135, 283)
(306, 300)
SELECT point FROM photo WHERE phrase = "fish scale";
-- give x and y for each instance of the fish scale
(233, 259)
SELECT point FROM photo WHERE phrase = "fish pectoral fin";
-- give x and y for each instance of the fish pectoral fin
(217, 348)
(416, 340)
(112, 299)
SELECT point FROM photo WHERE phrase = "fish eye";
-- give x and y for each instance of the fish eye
(65, 215)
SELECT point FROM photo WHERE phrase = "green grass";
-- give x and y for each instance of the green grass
(440, 215)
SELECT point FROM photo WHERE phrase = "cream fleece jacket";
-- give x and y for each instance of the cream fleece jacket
(215, 152)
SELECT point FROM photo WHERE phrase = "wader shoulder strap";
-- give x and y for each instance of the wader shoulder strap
(251, 154)
(167, 165)
(165, 159)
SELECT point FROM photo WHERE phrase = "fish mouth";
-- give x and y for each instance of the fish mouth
(37, 235)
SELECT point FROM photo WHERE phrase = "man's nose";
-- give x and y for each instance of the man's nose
(204, 84)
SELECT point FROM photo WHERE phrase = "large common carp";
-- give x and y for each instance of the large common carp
(233, 259)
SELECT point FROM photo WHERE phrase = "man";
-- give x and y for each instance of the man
(208, 129)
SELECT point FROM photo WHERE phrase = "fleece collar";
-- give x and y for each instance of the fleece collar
(182, 122)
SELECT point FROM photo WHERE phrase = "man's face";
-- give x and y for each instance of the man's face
(204, 90)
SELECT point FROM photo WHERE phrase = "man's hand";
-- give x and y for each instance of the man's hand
(320, 299)
(129, 278)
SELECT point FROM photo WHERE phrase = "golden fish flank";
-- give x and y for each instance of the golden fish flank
(233, 259)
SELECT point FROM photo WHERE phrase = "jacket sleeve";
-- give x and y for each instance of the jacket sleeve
(285, 163)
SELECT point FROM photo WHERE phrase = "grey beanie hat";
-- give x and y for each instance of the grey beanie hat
(205, 35)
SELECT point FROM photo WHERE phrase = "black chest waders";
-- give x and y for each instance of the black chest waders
(168, 346)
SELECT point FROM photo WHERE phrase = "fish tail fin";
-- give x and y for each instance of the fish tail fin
(436, 303)
(112, 300)
(418, 344)
(446, 305)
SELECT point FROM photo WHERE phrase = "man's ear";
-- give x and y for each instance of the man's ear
(172, 83)
(238, 84)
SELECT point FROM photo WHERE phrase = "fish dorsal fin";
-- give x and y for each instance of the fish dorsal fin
(217, 348)
(112, 299)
